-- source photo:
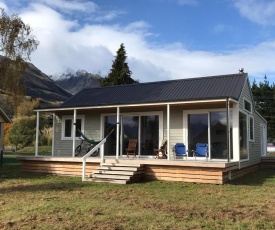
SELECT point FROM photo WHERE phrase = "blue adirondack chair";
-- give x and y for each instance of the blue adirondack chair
(201, 150)
(180, 150)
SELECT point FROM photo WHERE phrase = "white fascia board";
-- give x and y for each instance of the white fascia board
(132, 105)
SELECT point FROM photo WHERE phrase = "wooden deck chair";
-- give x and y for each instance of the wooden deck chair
(132, 147)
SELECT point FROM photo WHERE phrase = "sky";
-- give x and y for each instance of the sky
(164, 39)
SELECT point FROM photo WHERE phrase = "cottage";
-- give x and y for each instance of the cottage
(217, 111)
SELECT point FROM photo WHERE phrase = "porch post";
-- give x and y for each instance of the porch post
(117, 132)
(228, 129)
(74, 128)
(168, 131)
(53, 134)
(37, 133)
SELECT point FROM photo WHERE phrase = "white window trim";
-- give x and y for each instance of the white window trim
(71, 117)
(247, 135)
(253, 128)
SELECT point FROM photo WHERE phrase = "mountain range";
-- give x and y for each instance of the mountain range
(52, 90)
(74, 81)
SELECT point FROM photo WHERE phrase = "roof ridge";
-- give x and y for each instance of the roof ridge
(166, 81)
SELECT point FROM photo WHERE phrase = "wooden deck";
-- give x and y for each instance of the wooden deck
(156, 169)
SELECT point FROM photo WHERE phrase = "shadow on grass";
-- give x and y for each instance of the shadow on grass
(259, 177)
(67, 186)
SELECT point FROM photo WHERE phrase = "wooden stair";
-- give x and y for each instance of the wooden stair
(118, 173)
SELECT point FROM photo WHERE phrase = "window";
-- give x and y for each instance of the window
(251, 128)
(247, 106)
(67, 127)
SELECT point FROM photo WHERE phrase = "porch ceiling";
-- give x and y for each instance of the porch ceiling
(147, 107)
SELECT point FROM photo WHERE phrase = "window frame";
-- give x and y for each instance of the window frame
(248, 102)
(247, 135)
(251, 129)
(70, 117)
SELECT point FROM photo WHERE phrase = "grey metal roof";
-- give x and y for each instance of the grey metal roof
(191, 89)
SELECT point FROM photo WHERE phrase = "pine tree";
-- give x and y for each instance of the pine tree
(264, 98)
(120, 74)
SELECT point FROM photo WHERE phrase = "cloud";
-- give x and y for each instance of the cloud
(261, 12)
(71, 5)
(3, 6)
(188, 2)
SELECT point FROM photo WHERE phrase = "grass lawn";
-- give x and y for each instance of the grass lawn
(30, 201)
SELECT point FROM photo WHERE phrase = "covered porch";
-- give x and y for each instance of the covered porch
(214, 122)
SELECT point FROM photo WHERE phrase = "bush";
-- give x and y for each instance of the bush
(22, 131)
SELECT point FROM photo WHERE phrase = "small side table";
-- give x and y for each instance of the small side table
(160, 154)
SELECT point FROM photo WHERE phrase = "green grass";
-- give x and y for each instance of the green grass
(38, 201)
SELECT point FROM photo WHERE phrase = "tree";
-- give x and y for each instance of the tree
(120, 74)
(264, 98)
(16, 45)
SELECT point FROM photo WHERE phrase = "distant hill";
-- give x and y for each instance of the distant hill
(39, 85)
(75, 81)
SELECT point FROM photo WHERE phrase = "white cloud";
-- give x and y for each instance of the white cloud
(3, 6)
(188, 2)
(71, 5)
(261, 12)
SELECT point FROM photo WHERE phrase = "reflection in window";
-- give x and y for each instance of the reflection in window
(197, 130)
(110, 144)
(149, 134)
(243, 135)
(218, 134)
(68, 127)
(247, 106)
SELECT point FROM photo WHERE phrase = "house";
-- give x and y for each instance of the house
(216, 110)
(3, 119)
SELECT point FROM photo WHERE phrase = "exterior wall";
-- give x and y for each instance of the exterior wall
(254, 146)
(91, 129)
(176, 128)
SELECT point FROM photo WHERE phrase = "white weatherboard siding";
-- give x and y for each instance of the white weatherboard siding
(254, 147)
(176, 128)
(91, 130)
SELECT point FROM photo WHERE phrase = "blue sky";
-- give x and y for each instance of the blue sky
(164, 39)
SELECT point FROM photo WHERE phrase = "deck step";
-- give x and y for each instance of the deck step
(119, 168)
(114, 172)
(102, 180)
(118, 173)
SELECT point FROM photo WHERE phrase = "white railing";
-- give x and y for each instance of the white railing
(88, 154)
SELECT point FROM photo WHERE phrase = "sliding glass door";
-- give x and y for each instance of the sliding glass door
(144, 128)
(210, 128)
